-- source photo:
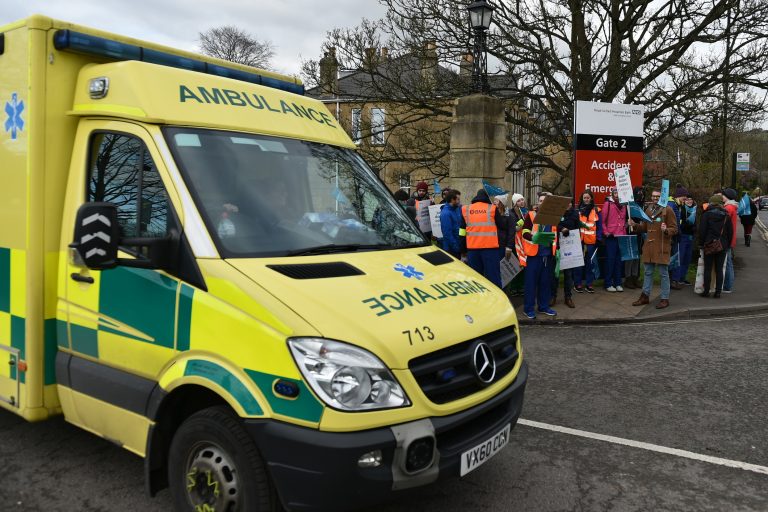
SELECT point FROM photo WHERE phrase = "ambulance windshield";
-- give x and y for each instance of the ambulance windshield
(266, 196)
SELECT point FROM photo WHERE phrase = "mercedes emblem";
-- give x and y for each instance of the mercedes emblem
(484, 363)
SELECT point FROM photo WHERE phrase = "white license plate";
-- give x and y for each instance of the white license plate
(479, 455)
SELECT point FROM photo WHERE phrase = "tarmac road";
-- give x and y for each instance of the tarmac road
(697, 385)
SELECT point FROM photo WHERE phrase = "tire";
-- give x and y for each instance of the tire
(214, 465)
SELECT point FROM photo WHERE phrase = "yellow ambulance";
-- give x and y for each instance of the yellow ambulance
(196, 265)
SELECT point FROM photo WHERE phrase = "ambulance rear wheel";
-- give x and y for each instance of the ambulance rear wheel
(213, 465)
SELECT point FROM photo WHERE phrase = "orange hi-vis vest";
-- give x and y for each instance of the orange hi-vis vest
(532, 249)
(480, 219)
(520, 249)
(589, 233)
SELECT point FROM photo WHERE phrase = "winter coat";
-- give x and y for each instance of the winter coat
(658, 245)
(570, 221)
(506, 232)
(614, 218)
(732, 207)
(450, 221)
(715, 224)
(749, 220)
(688, 219)
(585, 210)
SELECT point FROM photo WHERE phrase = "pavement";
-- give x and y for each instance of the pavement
(750, 294)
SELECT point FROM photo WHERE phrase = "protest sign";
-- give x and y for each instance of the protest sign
(423, 216)
(636, 212)
(552, 210)
(664, 193)
(434, 220)
(571, 255)
(624, 185)
(509, 269)
(628, 247)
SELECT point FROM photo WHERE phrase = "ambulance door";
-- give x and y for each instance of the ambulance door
(122, 320)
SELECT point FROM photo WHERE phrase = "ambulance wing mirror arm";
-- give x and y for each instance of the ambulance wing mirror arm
(96, 236)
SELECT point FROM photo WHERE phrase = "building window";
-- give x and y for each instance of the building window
(404, 181)
(377, 126)
(357, 128)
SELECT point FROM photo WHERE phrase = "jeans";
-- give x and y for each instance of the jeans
(648, 280)
(686, 253)
(486, 262)
(588, 269)
(613, 263)
(718, 260)
(729, 274)
(538, 281)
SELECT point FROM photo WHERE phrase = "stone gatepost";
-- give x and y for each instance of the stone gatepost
(478, 145)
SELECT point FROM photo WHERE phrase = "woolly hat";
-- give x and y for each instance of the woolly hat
(716, 200)
(730, 194)
(422, 185)
(681, 191)
(503, 198)
(516, 198)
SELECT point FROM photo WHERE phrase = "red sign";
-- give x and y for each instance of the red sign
(594, 171)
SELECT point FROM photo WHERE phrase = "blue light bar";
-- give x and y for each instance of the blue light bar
(69, 40)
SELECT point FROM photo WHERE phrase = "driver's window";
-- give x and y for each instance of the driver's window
(121, 172)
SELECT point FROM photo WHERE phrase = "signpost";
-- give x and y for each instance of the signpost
(608, 136)
(742, 161)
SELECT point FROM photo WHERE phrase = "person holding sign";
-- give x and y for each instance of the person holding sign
(568, 228)
(421, 201)
(614, 223)
(591, 234)
(539, 245)
(657, 249)
(479, 236)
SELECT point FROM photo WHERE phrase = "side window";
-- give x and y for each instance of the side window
(121, 171)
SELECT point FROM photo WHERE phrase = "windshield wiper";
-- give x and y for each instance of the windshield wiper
(329, 248)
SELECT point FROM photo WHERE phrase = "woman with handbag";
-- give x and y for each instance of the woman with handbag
(715, 232)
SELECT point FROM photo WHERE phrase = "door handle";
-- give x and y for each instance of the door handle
(81, 278)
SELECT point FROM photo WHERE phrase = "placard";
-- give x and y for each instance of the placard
(664, 199)
(423, 216)
(509, 269)
(434, 220)
(571, 255)
(552, 210)
(624, 185)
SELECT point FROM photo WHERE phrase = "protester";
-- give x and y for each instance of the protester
(450, 223)
(732, 207)
(657, 248)
(401, 196)
(614, 222)
(687, 208)
(506, 228)
(674, 260)
(444, 195)
(715, 225)
(568, 226)
(421, 195)
(591, 234)
(478, 233)
(748, 221)
(539, 243)
(517, 217)
(632, 267)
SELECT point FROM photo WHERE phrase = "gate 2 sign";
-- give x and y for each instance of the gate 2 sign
(607, 136)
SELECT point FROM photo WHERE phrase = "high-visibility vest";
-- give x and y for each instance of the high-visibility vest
(532, 249)
(480, 219)
(520, 249)
(589, 233)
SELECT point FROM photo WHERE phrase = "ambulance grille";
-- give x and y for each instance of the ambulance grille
(448, 374)
(437, 258)
(317, 270)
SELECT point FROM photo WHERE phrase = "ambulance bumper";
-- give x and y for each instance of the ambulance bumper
(318, 471)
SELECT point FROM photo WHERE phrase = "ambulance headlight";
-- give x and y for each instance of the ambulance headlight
(346, 377)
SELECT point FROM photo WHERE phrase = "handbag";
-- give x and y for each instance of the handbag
(715, 246)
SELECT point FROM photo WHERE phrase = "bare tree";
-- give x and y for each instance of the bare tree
(231, 43)
(668, 55)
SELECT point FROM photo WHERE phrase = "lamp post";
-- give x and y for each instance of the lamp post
(480, 14)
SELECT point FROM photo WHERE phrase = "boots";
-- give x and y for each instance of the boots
(569, 302)
(630, 283)
(747, 240)
(642, 301)
(663, 303)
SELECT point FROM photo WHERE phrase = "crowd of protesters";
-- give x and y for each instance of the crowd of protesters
(489, 230)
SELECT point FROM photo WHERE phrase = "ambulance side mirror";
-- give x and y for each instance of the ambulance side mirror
(97, 235)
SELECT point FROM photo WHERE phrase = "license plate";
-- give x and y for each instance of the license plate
(479, 455)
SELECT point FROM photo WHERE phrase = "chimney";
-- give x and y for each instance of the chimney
(465, 67)
(329, 73)
(429, 63)
(384, 54)
(370, 59)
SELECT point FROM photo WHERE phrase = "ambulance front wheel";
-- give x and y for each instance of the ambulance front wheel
(213, 465)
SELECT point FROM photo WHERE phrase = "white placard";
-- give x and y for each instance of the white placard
(570, 251)
(509, 269)
(423, 216)
(609, 118)
(434, 220)
(624, 185)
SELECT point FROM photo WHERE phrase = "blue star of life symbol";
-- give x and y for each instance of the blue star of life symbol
(409, 271)
(14, 108)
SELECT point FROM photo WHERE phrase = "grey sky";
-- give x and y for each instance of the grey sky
(296, 27)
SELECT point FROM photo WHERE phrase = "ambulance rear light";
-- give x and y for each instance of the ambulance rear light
(77, 42)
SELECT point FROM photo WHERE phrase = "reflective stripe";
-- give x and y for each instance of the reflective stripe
(481, 230)
(532, 249)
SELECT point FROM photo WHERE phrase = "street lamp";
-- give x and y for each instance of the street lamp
(480, 14)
